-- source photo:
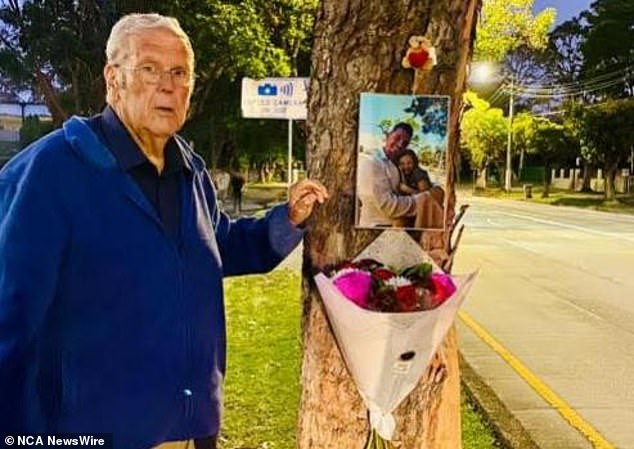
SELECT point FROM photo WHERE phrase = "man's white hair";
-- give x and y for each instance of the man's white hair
(118, 45)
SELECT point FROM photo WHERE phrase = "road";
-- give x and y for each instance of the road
(557, 292)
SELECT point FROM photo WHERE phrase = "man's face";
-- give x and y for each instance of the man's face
(396, 141)
(151, 105)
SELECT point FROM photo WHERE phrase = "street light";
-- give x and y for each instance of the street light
(509, 140)
(482, 72)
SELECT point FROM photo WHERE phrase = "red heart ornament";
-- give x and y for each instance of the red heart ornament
(418, 58)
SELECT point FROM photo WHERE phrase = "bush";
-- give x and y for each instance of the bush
(32, 129)
(532, 175)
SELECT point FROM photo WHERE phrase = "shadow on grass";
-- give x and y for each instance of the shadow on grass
(622, 204)
(590, 202)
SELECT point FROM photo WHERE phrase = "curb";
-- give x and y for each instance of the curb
(507, 428)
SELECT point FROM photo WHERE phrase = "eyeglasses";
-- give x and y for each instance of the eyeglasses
(150, 74)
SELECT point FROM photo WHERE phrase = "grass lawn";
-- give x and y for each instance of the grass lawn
(262, 386)
(624, 202)
(265, 194)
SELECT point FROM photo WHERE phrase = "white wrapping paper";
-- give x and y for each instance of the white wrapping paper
(387, 353)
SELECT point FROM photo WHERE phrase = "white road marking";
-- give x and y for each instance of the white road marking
(618, 236)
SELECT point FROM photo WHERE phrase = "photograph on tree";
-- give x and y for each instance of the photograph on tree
(401, 161)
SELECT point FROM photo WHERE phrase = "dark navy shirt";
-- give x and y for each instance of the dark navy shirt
(163, 190)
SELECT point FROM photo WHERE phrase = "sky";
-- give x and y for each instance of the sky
(566, 9)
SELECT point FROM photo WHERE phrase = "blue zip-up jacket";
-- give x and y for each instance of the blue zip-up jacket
(106, 323)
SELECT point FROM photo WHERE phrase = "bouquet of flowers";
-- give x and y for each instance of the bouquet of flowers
(390, 309)
(373, 286)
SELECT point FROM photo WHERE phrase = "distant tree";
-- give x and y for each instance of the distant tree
(609, 42)
(510, 37)
(522, 124)
(573, 121)
(565, 59)
(553, 142)
(606, 132)
(515, 39)
(567, 70)
(57, 47)
(483, 134)
(508, 25)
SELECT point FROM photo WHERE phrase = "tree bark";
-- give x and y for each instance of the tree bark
(587, 178)
(609, 188)
(547, 180)
(58, 114)
(358, 48)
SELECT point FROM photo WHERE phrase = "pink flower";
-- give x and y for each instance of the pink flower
(354, 285)
(443, 288)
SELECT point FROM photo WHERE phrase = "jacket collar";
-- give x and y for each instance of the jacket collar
(126, 150)
(91, 149)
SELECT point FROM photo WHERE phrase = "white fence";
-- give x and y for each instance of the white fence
(564, 178)
(7, 135)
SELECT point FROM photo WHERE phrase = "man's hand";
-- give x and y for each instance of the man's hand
(302, 197)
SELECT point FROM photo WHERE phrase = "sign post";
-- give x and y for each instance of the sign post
(276, 98)
(290, 153)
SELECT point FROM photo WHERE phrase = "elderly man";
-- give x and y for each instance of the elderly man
(112, 254)
(378, 182)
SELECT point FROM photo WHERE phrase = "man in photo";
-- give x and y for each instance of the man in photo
(378, 181)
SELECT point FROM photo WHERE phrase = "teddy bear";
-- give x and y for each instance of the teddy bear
(420, 55)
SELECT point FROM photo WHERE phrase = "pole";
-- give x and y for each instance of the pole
(290, 153)
(507, 174)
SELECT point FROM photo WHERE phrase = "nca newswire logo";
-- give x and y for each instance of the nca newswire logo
(76, 441)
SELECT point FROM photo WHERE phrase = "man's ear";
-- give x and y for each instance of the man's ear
(110, 75)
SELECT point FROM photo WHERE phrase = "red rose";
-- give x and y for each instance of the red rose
(384, 274)
(406, 297)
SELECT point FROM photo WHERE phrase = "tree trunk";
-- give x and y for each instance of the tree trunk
(547, 179)
(609, 190)
(358, 48)
(51, 99)
(587, 178)
(481, 179)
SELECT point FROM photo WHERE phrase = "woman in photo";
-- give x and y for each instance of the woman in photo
(413, 178)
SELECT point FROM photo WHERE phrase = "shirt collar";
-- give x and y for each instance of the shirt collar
(128, 153)
(380, 154)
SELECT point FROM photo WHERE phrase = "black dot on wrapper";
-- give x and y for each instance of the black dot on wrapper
(409, 355)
